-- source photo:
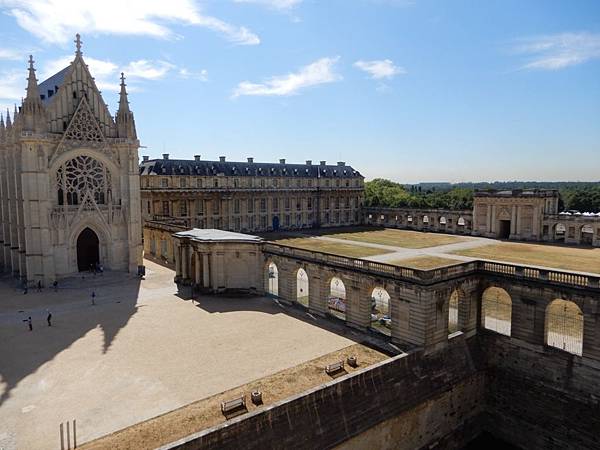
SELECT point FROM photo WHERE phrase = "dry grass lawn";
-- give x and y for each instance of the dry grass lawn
(425, 262)
(319, 245)
(569, 258)
(400, 238)
(206, 413)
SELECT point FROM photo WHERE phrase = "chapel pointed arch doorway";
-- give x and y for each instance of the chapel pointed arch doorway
(88, 249)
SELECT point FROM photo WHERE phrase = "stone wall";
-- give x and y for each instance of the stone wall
(436, 393)
(538, 397)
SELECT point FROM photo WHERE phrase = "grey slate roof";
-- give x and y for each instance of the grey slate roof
(51, 84)
(240, 169)
(214, 235)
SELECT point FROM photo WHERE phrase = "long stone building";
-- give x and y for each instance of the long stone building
(69, 179)
(244, 197)
(526, 215)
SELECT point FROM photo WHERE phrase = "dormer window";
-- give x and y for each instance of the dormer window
(74, 94)
(50, 93)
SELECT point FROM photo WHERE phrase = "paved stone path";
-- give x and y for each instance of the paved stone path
(399, 253)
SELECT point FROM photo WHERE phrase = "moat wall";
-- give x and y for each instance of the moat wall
(534, 397)
(436, 395)
(538, 397)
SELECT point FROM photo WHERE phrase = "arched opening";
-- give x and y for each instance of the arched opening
(380, 311)
(302, 287)
(336, 301)
(587, 234)
(564, 326)
(496, 310)
(461, 222)
(275, 223)
(273, 280)
(442, 220)
(560, 232)
(453, 308)
(425, 220)
(88, 250)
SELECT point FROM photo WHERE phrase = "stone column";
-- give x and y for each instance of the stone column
(177, 261)
(316, 292)
(493, 220)
(185, 262)
(205, 270)
(488, 224)
(518, 229)
(358, 305)
(197, 264)
(513, 220)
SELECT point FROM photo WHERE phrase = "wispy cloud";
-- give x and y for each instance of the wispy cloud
(56, 21)
(380, 69)
(273, 4)
(558, 51)
(12, 87)
(318, 72)
(107, 73)
(13, 55)
(202, 75)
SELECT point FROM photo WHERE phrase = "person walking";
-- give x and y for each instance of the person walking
(29, 323)
(93, 298)
(39, 286)
(49, 318)
(55, 284)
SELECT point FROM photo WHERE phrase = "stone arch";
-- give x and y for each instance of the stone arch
(381, 318)
(302, 287)
(272, 282)
(496, 310)
(336, 297)
(559, 232)
(564, 326)
(443, 220)
(104, 247)
(587, 234)
(456, 306)
(461, 221)
(426, 220)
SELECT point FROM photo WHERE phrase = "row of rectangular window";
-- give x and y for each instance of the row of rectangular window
(253, 182)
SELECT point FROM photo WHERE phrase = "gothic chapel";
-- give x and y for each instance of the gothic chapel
(69, 183)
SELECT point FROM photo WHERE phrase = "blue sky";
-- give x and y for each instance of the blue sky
(407, 90)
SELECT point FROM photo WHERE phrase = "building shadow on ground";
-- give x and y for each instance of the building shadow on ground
(23, 352)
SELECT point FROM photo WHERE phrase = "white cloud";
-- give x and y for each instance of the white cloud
(274, 4)
(187, 74)
(319, 72)
(380, 69)
(148, 70)
(57, 21)
(558, 51)
(13, 55)
(12, 86)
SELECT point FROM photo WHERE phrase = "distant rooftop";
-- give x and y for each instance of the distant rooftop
(214, 235)
(517, 193)
(166, 166)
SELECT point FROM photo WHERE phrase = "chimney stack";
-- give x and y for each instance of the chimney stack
(165, 156)
(282, 161)
(221, 159)
(323, 163)
(250, 160)
(145, 158)
(197, 157)
(341, 163)
(308, 162)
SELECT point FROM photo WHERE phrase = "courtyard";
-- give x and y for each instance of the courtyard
(141, 351)
(426, 251)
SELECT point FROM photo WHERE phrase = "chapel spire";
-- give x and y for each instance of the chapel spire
(124, 117)
(33, 110)
(8, 122)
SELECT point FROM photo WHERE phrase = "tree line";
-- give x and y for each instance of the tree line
(580, 196)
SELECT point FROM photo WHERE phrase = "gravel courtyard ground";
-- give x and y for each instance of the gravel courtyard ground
(139, 352)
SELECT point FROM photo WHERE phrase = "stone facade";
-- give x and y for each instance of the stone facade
(250, 196)
(69, 181)
(526, 215)
(513, 214)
